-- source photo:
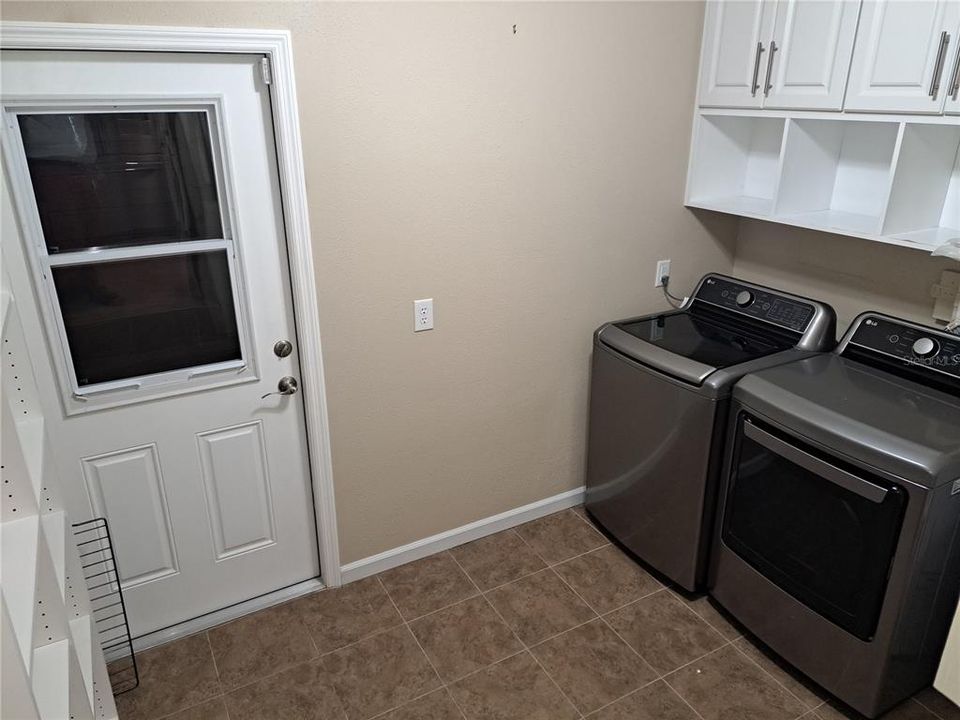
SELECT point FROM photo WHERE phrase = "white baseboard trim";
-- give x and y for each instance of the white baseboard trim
(218, 617)
(458, 536)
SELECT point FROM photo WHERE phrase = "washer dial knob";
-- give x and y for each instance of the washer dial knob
(925, 347)
(744, 298)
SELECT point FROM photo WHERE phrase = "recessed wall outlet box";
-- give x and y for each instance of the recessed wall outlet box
(663, 270)
(947, 294)
(423, 315)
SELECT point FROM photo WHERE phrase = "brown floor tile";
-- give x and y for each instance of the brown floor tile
(513, 689)
(539, 606)
(664, 631)
(560, 536)
(726, 685)
(716, 617)
(803, 688)
(909, 710)
(303, 692)
(497, 559)
(607, 578)
(592, 665)
(426, 585)
(340, 616)
(438, 705)
(380, 673)
(464, 637)
(941, 706)
(257, 645)
(209, 710)
(653, 702)
(174, 676)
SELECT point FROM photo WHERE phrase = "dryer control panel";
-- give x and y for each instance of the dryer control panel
(914, 345)
(759, 303)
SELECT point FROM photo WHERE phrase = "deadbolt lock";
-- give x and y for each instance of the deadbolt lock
(282, 348)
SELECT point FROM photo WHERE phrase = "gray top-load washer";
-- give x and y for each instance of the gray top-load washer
(838, 533)
(660, 389)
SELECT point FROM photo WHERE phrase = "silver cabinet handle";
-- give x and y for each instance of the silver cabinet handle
(754, 84)
(938, 67)
(954, 87)
(287, 386)
(766, 85)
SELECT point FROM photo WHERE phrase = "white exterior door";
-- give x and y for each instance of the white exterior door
(736, 37)
(901, 56)
(814, 41)
(144, 212)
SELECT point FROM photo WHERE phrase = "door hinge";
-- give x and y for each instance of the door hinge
(265, 71)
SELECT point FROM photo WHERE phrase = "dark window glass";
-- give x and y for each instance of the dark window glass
(114, 179)
(828, 547)
(710, 338)
(128, 318)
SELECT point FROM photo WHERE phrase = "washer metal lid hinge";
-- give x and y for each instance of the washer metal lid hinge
(265, 71)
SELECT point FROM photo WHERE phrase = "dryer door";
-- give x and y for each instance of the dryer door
(822, 530)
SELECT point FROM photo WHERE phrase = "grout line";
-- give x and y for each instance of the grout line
(213, 659)
(625, 695)
(517, 637)
(693, 610)
(611, 628)
(927, 708)
(772, 676)
(683, 699)
(219, 696)
(406, 624)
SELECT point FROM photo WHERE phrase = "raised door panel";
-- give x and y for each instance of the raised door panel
(736, 35)
(901, 56)
(127, 488)
(237, 488)
(814, 42)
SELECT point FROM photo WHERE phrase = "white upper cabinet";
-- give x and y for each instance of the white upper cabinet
(735, 39)
(778, 54)
(810, 54)
(902, 58)
(952, 88)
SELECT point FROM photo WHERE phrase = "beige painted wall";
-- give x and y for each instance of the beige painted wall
(528, 182)
(851, 274)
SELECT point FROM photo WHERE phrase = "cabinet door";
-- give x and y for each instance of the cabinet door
(736, 35)
(811, 56)
(951, 88)
(901, 54)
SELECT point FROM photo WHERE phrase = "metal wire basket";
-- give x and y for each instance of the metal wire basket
(106, 603)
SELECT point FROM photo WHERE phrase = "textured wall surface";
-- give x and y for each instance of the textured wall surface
(527, 181)
(851, 274)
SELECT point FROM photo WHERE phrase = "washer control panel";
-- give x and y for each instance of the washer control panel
(920, 346)
(758, 303)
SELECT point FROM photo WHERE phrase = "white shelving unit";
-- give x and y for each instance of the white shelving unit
(53, 667)
(890, 179)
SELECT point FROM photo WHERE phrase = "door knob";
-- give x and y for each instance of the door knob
(287, 386)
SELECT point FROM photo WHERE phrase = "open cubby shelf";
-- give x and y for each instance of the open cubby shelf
(893, 181)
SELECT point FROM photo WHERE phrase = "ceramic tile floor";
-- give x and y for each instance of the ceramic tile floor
(547, 621)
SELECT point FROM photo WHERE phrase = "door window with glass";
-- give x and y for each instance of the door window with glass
(136, 256)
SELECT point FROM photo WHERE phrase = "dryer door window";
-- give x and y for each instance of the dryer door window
(823, 531)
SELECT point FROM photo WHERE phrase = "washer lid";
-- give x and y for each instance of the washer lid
(891, 423)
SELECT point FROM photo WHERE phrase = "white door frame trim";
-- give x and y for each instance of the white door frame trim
(277, 47)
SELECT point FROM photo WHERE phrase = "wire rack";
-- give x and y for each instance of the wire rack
(106, 603)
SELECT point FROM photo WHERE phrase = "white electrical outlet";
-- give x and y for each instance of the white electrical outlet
(423, 314)
(663, 270)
